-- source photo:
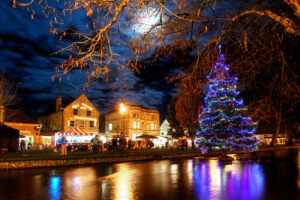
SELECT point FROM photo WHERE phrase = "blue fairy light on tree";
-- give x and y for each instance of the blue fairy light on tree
(225, 121)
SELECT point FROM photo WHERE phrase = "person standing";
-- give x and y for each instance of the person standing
(64, 143)
(95, 142)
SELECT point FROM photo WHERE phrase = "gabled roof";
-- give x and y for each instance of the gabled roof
(65, 102)
(82, 95)
(17, 116)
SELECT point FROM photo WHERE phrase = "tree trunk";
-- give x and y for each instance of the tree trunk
(193, 144)
(278, 120)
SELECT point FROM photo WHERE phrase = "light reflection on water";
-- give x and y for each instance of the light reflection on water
(166, 179)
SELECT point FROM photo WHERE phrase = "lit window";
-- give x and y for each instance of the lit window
(92, 124)
(155, 126)
(75, 111)
(71, 123)
(81, 125)
(110, 126)
(152, 126)
(88, 113)
(134, 124)
(138, 124)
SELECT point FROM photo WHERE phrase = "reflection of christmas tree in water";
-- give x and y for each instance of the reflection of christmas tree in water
(225, 122)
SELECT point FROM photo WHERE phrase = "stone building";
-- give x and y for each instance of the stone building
(135, 121)
(63, 116)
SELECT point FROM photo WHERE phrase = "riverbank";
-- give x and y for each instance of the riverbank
(23, 160)
(37, 159)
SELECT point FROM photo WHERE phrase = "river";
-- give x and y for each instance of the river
(275, 178)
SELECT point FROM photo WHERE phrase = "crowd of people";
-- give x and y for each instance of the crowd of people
(116, 144)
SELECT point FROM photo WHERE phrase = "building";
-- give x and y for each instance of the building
(135, 121)
(63, 116)
(266, 139)
(164, 128)
(27, 126)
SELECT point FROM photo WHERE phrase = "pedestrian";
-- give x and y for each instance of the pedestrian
(95, 141)
(129, 144)
(29, 146)
(63, 142)
(22, 145)
(185, 144)
(167, 144)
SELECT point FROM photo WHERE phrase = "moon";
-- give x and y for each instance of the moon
(145, 20)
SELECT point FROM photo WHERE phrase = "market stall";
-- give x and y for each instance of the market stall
(74, 136)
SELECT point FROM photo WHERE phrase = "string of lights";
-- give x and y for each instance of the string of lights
(225, 122)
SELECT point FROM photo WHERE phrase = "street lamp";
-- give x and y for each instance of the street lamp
(122, 110)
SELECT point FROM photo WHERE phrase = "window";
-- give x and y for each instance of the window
(152, 126)
(110, 126)
(155, 126)
(75, 111)
(138, 124)
(134, 124)
(92, 124)
(88, 113)
(81, 124)
(71, 123)
(153, 117)
(133, 115)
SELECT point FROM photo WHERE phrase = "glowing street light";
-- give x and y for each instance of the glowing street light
(122, 111)
(122, 108)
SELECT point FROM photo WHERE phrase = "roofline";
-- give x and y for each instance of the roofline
(86, 98)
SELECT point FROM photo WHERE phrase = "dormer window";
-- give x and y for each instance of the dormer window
(88, 113)
(75, 111)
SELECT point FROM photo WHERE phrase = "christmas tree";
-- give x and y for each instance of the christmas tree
(225, 122)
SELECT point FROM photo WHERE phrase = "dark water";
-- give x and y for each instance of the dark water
(276, 178)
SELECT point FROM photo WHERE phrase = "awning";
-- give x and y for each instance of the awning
(73, 131)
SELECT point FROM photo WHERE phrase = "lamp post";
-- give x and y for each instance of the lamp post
(122, 111)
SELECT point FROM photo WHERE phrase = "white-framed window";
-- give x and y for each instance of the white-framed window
(110, 126)
(138, 125)
(92, 124)
(72, 123)
(134, 124)
(81, 124)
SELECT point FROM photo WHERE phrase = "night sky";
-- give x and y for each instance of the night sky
(26, 47)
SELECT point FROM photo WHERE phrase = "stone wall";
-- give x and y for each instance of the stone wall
(90, 161)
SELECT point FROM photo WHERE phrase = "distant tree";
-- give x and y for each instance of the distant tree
(175, 130)
(187, 111)
(8, 92)
(266, 57)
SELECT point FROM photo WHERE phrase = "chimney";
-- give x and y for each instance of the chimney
(1, 114)
(58, 104)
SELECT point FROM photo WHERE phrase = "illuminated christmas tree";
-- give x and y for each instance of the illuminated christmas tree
(225, 122)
